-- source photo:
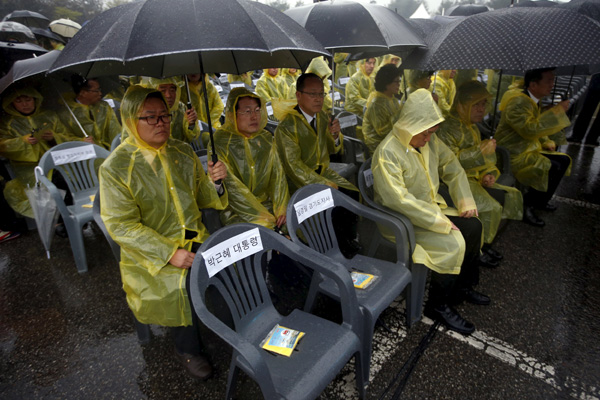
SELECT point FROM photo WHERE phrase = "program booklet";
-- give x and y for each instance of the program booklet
(282, 340)
(362, 280)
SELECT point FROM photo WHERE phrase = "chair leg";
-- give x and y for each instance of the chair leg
(74, 230)
(367, 344)
(143, 331)
(361, 385)
(415, 294)
(231, 381)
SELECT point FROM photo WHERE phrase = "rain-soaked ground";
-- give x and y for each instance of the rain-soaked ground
(70, 336)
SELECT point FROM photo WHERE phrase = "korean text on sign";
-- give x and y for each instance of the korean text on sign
(231, 250)
(73, 154)
(314, 204)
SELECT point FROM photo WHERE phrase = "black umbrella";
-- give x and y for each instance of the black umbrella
(45, 33)
(176, 37)
(424, 26)
(537, 3)
(512, 38)
(11, 52)
(466, 10)
(28, 18)
(15, 32)
(589, 8)
(30, 67)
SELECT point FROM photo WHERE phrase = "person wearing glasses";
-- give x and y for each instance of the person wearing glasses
(95, 116)
(152, 188)
(256, 184)
(383, 109)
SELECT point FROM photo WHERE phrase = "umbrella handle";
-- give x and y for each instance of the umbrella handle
(41, 172)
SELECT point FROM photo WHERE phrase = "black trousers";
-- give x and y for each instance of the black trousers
(187, 338)
(560, 164)
(445, 287)
(498, 194)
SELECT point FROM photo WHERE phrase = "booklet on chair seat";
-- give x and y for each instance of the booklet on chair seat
(282, 340)
(362, 280)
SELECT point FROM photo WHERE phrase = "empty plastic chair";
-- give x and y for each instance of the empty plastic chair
(76, 162)
(326, 346)
(309, 211)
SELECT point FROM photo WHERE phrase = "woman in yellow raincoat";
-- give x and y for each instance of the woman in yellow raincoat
(319, 67)
(360, 86)
(256, 185)
(182, 119)
(152, 189)
(383, 109)
(271, 85)
(445, 88)
(459, 131)
(95, 115)
(416, 79)
(524, 129)
(407, 168)
(25, 135)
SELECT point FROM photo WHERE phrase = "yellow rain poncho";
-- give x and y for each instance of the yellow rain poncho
(415, 80)
(305, 154)
(341, 67)
(522, 130)
(256, 184)
(215, 104)
(290, 78)
(179, 123)
(319, 67)
(445, 88)
(150, 200)
(24, 157)
(271, 87)
(246, 77)
(380, 117)
(478, 159)
(358, 89)
(98, 120)
(407, 181)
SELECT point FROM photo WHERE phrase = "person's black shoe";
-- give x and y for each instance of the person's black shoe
(450, 318)
(529, 217)
(493, 253)
(475, 297)
(61, 230)
(485, 260)
(548, 207)
(196, 366)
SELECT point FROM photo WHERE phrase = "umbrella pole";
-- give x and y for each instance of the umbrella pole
(332, 84)
(189, 102)
(213, 157)
(434, 80)
(71, 112)
(566, 96)
(496, 105)
(554, 89)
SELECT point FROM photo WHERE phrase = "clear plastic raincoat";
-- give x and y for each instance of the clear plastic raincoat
(341, 67)
(358, 89)
(445, 88)
(479, 159)
(271, 87)
(380, 117)
(179, 123)
(305, 154)
(407, 180)
(150, 199)
(522, 130)
(215, 104)
(98, 120)
(256, 184)
(24, 157)
(319, 67)
(289, 77)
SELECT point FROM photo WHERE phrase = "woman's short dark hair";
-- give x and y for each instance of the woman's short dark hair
(385, 76)
(300, 82)
(78, 83)
(237, 103)
(157, 95)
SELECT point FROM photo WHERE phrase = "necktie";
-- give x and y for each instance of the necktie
(313, 124)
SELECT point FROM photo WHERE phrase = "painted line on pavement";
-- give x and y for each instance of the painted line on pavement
(576, 203)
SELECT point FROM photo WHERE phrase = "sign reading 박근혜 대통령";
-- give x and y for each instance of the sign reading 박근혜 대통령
(231, 250)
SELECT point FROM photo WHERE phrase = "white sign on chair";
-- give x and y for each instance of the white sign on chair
(73, 154)
(231, 250)
(313, 204)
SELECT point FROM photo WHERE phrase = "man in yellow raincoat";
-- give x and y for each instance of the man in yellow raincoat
(407, 168)
(416, 79)
(184, 125)
(215, 104)
(360, 86)
(524, 129)
(341, 66)
(383, 109)
(445, 88)
(245, 77)
(271, 85)
(478, 157)
(25, 135)
(256, 184)
(95, 116)
(152, 188)
(319, 67)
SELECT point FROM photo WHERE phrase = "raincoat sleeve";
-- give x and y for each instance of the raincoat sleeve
(280, 194)
(216, 105)
(529, 123)
(114, 127)
(262, 89)
(453, 174)
(471, 153)
(388, 172)
(15, 146)
(189, 135)
(207, 196)
(123, 221)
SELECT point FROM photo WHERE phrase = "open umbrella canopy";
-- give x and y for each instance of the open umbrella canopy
(424, 26)
(589, 8)
(512, 38)
(45, 33)
(352, 27)
(466, 9)
(11, 52)
(171, 37)
(64, 27)
(535, 3)
(15, 32)
(22, 69)
(28, 18)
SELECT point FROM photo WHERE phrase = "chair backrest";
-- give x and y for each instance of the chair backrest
(365, 185)
(76, 162)
(197, 146)
(113, 245)
(116, 142)
(348, 121)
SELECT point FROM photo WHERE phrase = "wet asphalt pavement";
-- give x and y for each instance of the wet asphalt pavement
(70, 336)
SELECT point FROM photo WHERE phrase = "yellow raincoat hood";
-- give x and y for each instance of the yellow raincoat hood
(231, 115)
(12, 96)
(419, 113)
(153, 83)
(469, 94)
(319, 67)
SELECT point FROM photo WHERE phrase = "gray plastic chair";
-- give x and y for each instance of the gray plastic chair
(115, 143)
(322, 352)
(392, 278)
(416, 290)
(503, 163)
(82, 179)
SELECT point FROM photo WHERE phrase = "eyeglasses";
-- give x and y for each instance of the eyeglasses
(153, 120)
(314, 95)
(93, 90)
(249, 112)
